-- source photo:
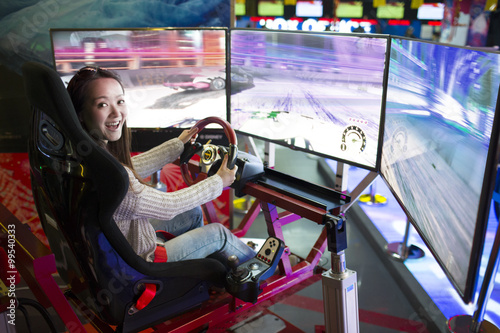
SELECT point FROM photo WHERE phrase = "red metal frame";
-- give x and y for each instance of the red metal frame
(37, 264)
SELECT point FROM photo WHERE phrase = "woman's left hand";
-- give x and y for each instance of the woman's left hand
(189, 134)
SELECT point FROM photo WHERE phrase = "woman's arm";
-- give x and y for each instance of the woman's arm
(145, 164)
(143, 201)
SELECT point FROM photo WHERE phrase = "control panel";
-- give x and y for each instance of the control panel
(244, 279)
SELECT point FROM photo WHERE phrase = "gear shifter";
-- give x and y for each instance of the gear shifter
(233, 262)
(237, 273)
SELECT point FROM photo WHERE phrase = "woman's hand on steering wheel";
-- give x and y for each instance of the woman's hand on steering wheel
(228, 175)
(188, 135)
(209, 152)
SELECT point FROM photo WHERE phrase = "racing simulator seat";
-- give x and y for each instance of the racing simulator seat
(76, 187)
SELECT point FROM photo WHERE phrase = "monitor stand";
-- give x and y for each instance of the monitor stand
(401, 251)
(340, 288)
(372, 198)
(464, 324)
(476, 323)
(340, 292)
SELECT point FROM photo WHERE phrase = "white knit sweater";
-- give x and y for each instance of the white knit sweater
(143, 202)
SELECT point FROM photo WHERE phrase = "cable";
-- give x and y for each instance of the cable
(37, 306)
(26, 317)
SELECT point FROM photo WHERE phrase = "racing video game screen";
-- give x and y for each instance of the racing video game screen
(318, 92)
(440, 148)
(173, 77)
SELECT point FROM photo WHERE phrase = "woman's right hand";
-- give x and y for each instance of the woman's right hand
(188, 135)
(228, 175)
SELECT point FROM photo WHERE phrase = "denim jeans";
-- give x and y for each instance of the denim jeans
(180, 224)
(194, 240)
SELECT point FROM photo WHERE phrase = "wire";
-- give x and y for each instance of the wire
(26, 317)
(37, 306)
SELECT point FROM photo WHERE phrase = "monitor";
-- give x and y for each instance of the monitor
(322, 93)
(240, 8)
(270, 8)
(394, 10)
(431, 11)
(440, 148)
(351, 9)
(310, 8)
(172, 76)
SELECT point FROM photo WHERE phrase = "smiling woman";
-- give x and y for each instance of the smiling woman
(105, 110)
(99, 99)
(79, 88)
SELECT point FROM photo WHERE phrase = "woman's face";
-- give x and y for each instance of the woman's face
(104, 111)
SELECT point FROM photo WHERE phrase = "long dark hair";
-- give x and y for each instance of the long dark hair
(78, 91)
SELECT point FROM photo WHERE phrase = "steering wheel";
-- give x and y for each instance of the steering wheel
(209, 153)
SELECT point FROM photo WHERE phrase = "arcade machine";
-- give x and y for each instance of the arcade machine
(52, 146)
(440, 158)
(328, 98)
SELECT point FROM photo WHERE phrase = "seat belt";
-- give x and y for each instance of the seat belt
(160, 254)
(150, 288)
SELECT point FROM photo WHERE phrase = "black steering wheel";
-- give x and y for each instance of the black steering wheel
(209, 153)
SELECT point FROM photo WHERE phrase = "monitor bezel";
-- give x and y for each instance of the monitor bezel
(485, 198)
(376, 167)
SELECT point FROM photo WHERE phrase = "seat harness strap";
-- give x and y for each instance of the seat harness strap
(150, 288)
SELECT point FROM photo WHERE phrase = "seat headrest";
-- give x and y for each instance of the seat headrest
(46, 91)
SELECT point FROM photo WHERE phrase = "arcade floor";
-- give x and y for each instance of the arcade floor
(394, 296)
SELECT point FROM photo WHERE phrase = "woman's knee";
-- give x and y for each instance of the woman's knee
(197, 216)
(216, 228)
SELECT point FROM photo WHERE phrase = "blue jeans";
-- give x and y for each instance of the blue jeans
(195, 241)
(180, 224)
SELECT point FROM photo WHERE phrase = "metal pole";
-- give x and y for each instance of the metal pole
(404, 244)
(487, 286)
(402, 251)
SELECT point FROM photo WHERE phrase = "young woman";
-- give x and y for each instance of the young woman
(98, 97)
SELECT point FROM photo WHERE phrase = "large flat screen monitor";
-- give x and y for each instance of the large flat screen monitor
(440, 150)
(318, 92)
(172, 76)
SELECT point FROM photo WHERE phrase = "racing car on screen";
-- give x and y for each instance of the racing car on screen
(194, 82)
(240, 79)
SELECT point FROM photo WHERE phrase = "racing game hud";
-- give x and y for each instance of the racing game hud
(439, 146)
(318, 92)
(172, 77)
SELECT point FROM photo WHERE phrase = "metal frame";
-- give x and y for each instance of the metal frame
(37, 264)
